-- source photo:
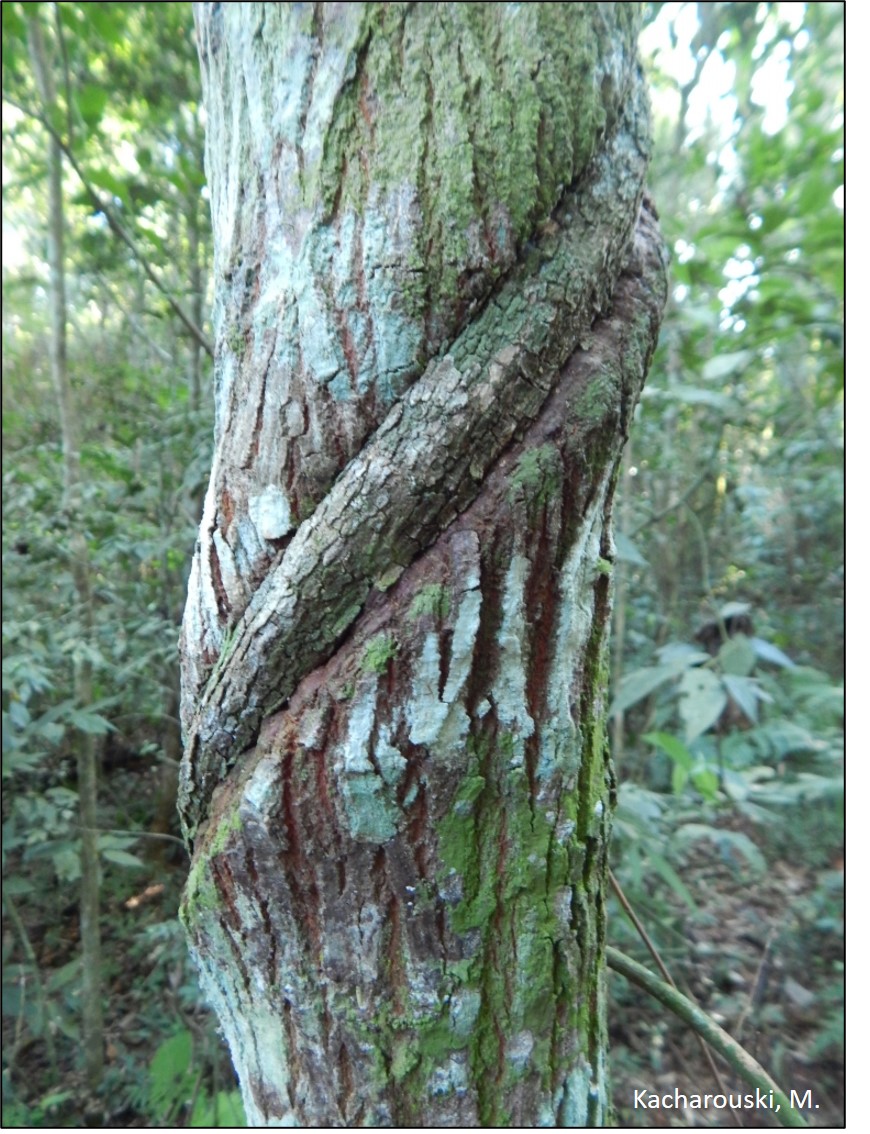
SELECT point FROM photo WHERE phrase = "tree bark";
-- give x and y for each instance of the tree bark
(437, 291)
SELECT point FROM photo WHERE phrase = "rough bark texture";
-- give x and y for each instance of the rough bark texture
(436, 297)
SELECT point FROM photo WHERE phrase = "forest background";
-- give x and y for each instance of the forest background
(727, 653)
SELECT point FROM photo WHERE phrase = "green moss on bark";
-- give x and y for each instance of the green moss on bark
(536, 935)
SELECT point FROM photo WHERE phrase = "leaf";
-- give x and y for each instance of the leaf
(67, 864)
(639, 684)
(65, 975)
(737, 656)
(696, 396)
(91, 101)
(679, 779)
(665, 871)
(681, 655)
(19, 714)
(638, 807)
(734, 609)
(702, 701)
(706, 782)
(91, 723)
(224, 1109)
(673, 747)
(785, 738)
(724, 365)
(767, 651)
(123, 858)
(54, 1099)
(171, 1074)
(746, 693)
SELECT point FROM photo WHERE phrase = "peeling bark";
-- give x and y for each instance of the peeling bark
(437, 293)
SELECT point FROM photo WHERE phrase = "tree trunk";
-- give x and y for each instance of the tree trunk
(437, 291)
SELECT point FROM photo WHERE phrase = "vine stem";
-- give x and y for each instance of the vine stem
(737, 1057)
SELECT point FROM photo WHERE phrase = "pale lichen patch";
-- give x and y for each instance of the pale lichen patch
(509, 688)
(270, 512)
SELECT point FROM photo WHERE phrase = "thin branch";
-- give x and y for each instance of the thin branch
(663, 969)
(138, 834)
(759, 982)
(749, 1069)
(133, 323)
(108, 210)
(638, 925)
(58, 29)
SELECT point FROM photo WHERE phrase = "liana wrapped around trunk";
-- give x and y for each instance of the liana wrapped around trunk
(438, 287)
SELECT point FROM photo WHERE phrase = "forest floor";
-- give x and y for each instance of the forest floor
(763, 957)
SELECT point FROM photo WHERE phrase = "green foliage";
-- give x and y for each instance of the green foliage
(126, 83)
(173, 1080)
(175, 1085)
(737, 450)
(42, 1112)
(731, 506)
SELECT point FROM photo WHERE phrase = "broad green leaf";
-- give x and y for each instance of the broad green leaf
(737, 656)
(172, 1077)
(91, 101)
(679, 779)
(55, 1098)
(746, 693)
(681, 655)
(91, 723)
(19, 714)
(222, 1110)
(67, 864)
(639, 684)
(673, 747)
(702, 701)
(767, 651)
(116, 842)
(706, 782)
